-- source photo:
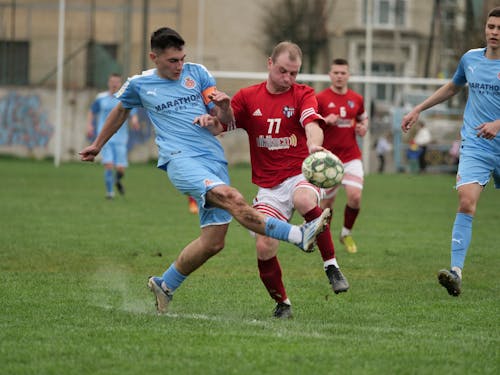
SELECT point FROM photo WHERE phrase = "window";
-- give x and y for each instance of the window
(380, 91)
(14, 62)
(387, 13)
(101, 62)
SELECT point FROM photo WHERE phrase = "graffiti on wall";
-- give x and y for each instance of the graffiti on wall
(24, 122)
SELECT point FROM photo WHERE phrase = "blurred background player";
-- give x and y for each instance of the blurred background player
(422, 139)
(273, 113)
(382, 147)
(480, 149)
(114, 153)
(192, 205)
(345, 117)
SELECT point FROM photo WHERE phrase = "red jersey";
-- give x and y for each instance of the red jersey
(341, 137)
(275, 127)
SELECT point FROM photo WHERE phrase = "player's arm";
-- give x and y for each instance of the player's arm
(440, 95)
(314, 135)
(114, 121)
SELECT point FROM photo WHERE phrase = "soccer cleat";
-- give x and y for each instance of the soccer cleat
(283, 311)
(120, 187)
(110, 196)
(451, 281)
(349, 243)
(162, 295)
(311, 229)
(337, 279)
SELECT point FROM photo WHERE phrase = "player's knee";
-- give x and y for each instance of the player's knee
(467, 206)
(266, 248)
(214, 247)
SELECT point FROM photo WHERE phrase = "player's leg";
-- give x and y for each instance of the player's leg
(474, 172)
(192, 257)
(353, 184)
(108, 163)
(121, 163)
(271, 275)
(468, 196)
(306, 198)
(303, 236)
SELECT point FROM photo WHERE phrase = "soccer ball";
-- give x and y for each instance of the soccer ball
(323, 169)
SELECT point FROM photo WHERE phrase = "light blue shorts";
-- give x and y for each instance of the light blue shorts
(115, 153)
(477, 166)
(195, 177)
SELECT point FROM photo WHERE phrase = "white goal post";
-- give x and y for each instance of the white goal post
(368, 80)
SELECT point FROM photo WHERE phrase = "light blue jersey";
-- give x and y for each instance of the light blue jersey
(172, 106)
(483, 104)
(101, 108)
(192, 156)
(479, 157)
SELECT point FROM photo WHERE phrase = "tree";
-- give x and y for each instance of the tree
(300, 21)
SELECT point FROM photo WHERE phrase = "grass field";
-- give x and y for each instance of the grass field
(74, 267)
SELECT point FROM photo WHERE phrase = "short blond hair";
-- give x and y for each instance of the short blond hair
(293, 50)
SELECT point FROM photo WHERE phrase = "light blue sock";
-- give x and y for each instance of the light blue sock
(277, 229)
(173, 278)
(460, 239)
(109, 180)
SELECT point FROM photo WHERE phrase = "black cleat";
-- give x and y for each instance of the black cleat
(337, 279)
(283, 311)
(451, 281)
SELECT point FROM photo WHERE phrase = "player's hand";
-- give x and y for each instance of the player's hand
(331, 119)
(361, 129)
(488, 130)
(89, 153)
(220, 99)
(206, 120)
(409, 120)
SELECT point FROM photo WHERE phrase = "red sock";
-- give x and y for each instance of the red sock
(270, 274)
(324, 239)
(350, 215)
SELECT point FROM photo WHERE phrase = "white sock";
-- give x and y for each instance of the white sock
(345, 232)
(287, 301)
(458, 270)
(329, 262)
(295, 235)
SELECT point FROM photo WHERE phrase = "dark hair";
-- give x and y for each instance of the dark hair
(115, 74)
(339, 62)
(495, 12)
(166, 37)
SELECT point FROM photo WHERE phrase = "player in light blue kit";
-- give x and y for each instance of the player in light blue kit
(480, 147)
(114, 153)
(180, 99)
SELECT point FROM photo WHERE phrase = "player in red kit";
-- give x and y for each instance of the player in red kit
(283, 127)
(345, 117)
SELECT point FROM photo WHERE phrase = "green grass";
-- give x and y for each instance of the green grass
(73, 294)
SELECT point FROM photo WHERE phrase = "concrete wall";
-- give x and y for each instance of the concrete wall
(27, 127)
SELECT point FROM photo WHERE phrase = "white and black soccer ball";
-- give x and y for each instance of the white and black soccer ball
(323, 169)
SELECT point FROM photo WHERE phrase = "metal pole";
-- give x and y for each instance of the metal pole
(145, 36)
(368, 72)
(201, 31)
(60, 70)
